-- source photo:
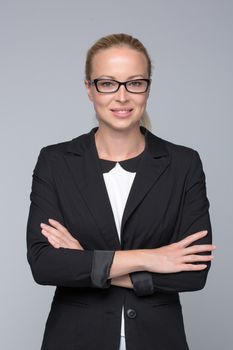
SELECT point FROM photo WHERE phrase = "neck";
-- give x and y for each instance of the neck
(119, 145)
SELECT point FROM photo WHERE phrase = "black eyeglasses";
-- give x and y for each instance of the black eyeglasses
(108, 86)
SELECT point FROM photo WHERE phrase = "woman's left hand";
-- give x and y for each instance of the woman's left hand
(58, 236)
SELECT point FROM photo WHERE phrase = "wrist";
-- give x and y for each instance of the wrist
(122, 281)
(125, 262)
(145, 257)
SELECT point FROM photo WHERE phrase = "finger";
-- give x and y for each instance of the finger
(57, 225)
(199, 249)
(53, 242)
(65, 239)
(52, 236)
(196, 258)
(63, 230)
(54, 232)
(192, 267)
(192, 238)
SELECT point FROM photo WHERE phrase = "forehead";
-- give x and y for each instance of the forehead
(119, 61)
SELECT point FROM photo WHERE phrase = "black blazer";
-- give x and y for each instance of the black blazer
(167, 202)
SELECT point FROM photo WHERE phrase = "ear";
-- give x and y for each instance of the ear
(89, 90)
(148, 94)
(149, 88)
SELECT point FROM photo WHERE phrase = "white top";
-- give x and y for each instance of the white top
(118, 183)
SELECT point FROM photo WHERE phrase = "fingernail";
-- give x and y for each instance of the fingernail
(42, 224)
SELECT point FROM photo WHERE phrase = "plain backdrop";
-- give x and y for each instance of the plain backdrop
(43, 101)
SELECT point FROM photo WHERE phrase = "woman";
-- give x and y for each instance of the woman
(119, 218)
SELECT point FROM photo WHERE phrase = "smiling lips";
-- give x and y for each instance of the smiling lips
(121, 112)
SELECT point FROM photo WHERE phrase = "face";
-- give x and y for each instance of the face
(119, 110)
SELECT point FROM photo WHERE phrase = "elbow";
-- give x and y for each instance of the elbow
(200, 278)
(198, 285)
(39, 277)
(37, 273)
(38, 270)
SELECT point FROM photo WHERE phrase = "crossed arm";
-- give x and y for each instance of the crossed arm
(57, 258)
(172, 258)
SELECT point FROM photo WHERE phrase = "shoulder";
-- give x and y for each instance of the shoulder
(182, 159)
(177, 152)
(184, 162)
(53, 155)
(180, 151)
(76, 145)
(60, 147)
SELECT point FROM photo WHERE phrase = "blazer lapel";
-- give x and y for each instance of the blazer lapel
(154, 162)
(82, 158)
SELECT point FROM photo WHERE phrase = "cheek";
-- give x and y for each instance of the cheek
(102, 101)
(141, 101)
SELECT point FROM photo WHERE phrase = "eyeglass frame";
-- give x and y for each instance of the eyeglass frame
(95, 82)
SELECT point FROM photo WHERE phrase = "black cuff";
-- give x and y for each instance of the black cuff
(101, 264)
(142, 283)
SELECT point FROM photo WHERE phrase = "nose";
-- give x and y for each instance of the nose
(122, 94)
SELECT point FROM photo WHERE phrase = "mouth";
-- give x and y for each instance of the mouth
(121, 112)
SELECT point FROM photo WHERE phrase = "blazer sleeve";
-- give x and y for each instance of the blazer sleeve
(194, 217)
(59, 267)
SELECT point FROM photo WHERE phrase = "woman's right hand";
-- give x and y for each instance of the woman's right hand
(179, 256)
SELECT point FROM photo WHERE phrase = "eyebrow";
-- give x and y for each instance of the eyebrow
(139, 76)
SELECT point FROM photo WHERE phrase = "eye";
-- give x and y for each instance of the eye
(106, 83)
(136, 83)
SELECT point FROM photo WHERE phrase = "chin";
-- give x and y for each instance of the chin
(123, 126)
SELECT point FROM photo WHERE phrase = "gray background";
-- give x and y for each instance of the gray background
(43, 101)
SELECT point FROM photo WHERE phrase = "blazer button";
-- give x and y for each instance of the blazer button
(131, 313)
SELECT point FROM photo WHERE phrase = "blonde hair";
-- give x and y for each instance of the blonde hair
(114, 40)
